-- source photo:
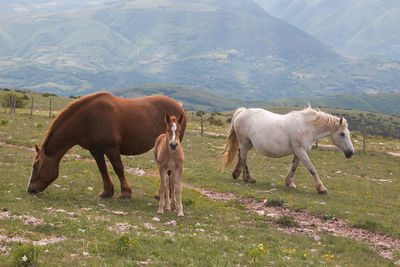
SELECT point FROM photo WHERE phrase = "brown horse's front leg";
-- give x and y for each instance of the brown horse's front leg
(108, 186)
(115, 159)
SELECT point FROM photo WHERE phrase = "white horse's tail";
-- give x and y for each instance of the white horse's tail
(232, 143)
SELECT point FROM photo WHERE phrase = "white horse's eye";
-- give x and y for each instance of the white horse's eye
(342, 134)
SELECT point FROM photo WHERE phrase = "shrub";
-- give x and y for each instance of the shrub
(287, 221)
(274, 202)
(19, 100)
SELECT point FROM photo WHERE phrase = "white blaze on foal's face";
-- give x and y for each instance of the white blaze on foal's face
(174, 132)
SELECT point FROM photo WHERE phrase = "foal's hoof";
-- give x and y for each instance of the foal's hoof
(234, 176)
(125, 195)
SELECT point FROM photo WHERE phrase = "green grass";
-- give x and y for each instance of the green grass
(211, 233)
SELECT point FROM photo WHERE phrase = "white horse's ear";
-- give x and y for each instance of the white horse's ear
(37, 148)
(341, 121)
(167, 118)
(180, 120)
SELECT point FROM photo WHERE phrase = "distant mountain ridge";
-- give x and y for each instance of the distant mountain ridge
(231, 48)
(360, 27)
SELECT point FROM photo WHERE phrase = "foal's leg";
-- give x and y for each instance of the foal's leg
(178, 187)
(310, 167)
(172, 186)
(168, 191)
(108, 186)
(115, 159)
(289, 178)
(163, 191)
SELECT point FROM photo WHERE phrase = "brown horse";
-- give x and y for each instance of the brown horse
(104, 125)
(169, 156)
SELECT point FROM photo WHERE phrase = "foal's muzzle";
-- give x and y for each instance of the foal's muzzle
(173, 146)
(348, 153)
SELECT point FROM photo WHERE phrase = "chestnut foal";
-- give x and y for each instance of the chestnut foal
(169, 156)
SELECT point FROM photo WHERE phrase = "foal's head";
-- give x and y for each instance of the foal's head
(44, 171)
(173, 130)
(341, 137)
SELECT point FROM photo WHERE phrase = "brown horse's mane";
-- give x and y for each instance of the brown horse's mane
(67, 112)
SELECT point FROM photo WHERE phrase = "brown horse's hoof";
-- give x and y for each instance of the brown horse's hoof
(125, 195)
(104, 194)
(157, 195)
(249, 180)
(323, 192)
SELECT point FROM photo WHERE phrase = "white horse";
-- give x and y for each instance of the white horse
(275, 135)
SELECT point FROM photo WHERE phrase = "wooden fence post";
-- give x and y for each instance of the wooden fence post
(316, 143)
(201, 123)
(14, 103)
(32, 106)
(364, 133)
(9, 103)
(50, 109)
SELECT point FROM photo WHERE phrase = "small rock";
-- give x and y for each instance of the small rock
(317, 237)
(171, 223)
(56, 186)
(156, 219)
(313, 251)
(383, 245)
(85, 253)
(397, 262)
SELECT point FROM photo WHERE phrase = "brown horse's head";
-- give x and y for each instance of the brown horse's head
(173, 130)
(44, 171)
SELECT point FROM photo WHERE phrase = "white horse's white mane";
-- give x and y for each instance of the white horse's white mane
(322, 119)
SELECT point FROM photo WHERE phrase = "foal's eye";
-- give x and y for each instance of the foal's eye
(342, 134)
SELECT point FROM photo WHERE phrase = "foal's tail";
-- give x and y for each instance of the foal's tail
(232, 143)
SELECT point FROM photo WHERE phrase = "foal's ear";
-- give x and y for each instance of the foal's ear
(167, 118)
(37, 148)
(180, 120)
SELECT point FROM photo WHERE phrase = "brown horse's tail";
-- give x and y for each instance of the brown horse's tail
(232, 143)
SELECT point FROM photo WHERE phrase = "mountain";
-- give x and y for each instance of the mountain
(359, 27)
(231, 48)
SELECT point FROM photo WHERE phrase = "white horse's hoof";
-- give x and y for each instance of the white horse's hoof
(292, 185)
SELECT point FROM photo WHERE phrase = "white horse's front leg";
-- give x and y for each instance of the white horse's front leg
(289, 178)
(310, 167)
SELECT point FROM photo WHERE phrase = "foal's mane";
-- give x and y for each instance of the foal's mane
(67, 112)
(322, 119)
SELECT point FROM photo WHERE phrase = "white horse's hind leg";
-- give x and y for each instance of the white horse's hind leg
(310, 167)
(245, 146)
(289, 178)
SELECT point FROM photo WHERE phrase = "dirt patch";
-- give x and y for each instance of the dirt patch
(26, 219)
(310, 224)
(394, 154)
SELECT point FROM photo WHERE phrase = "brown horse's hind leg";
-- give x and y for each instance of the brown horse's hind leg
(108, 186)
(115, 159)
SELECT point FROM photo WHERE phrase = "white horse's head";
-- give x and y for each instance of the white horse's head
(341, 137)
